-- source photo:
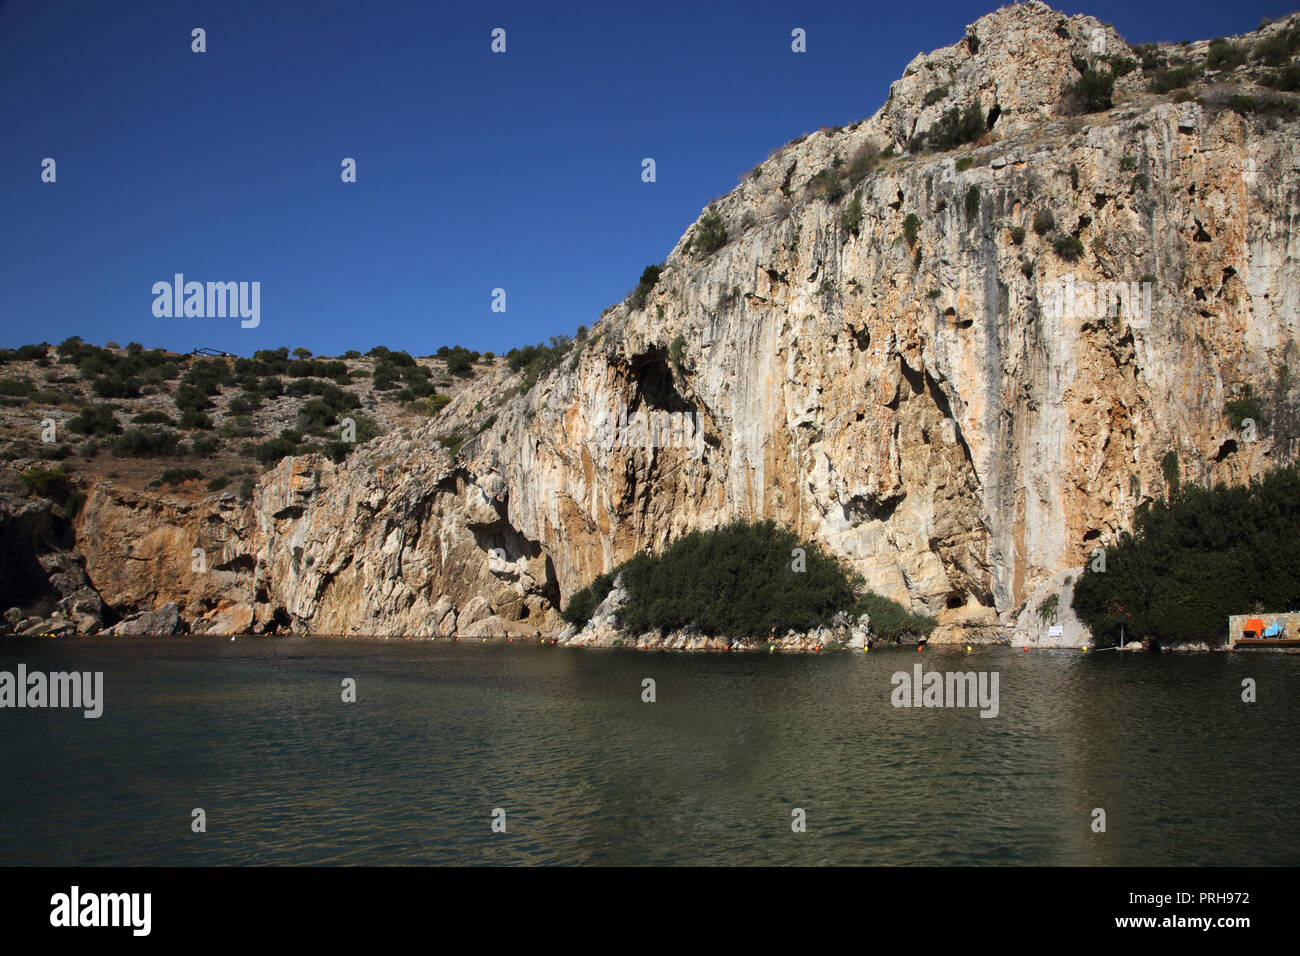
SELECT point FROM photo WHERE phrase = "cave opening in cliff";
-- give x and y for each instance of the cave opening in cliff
(651, 379)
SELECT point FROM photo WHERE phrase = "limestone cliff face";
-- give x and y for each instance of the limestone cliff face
(932, 407)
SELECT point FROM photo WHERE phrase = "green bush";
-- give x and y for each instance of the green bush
(95, 420)
(851, 220)
(827, 185)
(205, 446)
(1166, 81)
(711, 234)
(736, 581)
(934, 96)
(271, 451)
(1093, 92)
(537, 360)
(115, 386)
(583, 603)
(911, 224)
(955, 128)
(1149, 54)
(193, 398)
(1225, 55)
(676, 350)
(16, 387)
(1120, 65)
(194, 420)
(1277, 50)
(863, 161)
(964, 163)
(1044, 222)
(1286, 79)
(246, 489)
(459, 363)
(1196, 558)
(241, 405)
(208, 375)
(1248, 406)
(399, 359)
(52, 483)
(649, 278)
(142, 443)
(972, 202)
(890, 621)
(152, 418)
(1017, 234)
(1069, 248)
(174, 476)
(316, 416)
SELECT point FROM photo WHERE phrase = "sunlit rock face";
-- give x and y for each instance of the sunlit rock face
(956, 409)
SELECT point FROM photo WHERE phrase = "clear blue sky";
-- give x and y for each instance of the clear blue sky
(475, 171)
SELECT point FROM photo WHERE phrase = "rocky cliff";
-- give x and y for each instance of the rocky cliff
(915, 369)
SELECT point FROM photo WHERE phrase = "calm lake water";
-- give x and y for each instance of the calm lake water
(256, 734)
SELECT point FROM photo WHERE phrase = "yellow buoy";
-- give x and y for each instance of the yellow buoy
(967, 648)
(1085, 650)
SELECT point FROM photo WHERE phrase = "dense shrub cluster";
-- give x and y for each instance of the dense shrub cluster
(537, 360)
(174, 476)
(1277, 49)
(891, 621)
(934, 96)
(459, 359)
(1248, 406)
(1225, 55)
(1093, 92)
(1069, 248)
(851, 219)
(955, 128)
(24, 353)
(17, 387)
(740, 581)
(95, 420)
(1286, 79)
(144, 443)
(116, 375)
(711, 234)
(54, 484)
(1174, 78)
(734, 581)
(649, 278)
(1196, 558)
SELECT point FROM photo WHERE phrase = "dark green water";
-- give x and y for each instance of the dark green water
(255, 733)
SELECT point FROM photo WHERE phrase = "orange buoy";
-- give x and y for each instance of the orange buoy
(1026, 648)
(457, 638)
(512, 640)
